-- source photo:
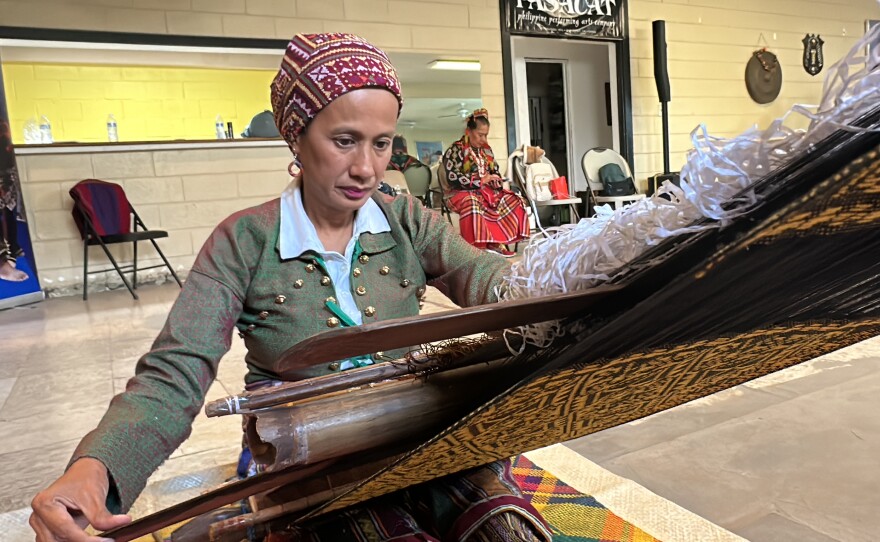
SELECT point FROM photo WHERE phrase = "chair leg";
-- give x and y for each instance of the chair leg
(537, 217)
(115, 266)
(85, 269)
(167, 264)
(444, 209)
(134, 265)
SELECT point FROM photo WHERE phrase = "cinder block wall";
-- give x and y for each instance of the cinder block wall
(190, 191)
(709, 43)
(186, 192)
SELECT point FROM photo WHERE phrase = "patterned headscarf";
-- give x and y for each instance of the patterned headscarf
(481, 113)
(317, 69)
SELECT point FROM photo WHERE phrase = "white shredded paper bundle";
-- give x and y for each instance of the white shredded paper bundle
(580, 256)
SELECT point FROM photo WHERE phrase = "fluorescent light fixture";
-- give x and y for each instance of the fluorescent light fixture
(457, 65)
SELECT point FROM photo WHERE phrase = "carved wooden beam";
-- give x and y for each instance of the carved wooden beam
(386, 335)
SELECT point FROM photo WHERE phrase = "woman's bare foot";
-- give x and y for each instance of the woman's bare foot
(10, 273)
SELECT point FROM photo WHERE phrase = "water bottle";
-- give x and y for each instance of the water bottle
(32, 132)
(112, 132)
(45, 130)
(220, 128)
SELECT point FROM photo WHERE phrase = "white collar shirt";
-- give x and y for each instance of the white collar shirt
(297, 236)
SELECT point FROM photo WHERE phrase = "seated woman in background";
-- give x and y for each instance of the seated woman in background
(435, 158)
(400, 157)
(491, 216)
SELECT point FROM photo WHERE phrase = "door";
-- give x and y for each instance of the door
(545, 81)
(582, 112)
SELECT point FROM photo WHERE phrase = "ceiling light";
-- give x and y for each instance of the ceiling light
(459, 65)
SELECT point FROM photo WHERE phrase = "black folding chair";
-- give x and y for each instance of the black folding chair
(104, 217)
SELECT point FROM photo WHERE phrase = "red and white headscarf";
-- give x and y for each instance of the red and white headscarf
(317, 69)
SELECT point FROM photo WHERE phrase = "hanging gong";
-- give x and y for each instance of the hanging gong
(763, 76)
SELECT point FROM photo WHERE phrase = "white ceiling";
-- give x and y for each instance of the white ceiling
(413, 68)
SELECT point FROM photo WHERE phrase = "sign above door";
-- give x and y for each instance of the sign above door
(595, 19)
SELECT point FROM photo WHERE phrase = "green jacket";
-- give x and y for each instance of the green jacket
(240, 281)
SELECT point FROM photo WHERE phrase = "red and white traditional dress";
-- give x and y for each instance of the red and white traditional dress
(489, 216)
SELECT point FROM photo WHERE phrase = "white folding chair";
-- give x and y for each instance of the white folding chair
(592, 161)
(418, 181)
(396, 180)
(519, 166)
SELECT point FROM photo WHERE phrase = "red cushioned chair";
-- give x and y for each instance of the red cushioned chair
(104, 216)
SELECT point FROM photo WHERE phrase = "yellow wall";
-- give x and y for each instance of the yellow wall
(452, 29)
(149, 103)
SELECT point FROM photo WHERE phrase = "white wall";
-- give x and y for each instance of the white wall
(586, 73)
(185, 192)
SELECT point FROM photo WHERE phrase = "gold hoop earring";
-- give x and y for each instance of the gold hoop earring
(294, 169)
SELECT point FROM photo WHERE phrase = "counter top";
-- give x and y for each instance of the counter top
(145, 146)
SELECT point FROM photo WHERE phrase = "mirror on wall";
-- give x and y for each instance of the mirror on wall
(166, 93)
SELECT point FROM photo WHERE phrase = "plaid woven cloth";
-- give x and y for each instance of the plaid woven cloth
(499, 221)
(573, 516)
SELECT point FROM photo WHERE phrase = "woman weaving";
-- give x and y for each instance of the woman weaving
(329, 252)
(491, 217)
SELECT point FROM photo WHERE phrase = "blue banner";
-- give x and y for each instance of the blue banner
(19, 283)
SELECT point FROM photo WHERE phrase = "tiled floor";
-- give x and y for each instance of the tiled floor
(792, 456)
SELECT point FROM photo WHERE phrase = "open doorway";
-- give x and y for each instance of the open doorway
(584, 74)
(547, 117)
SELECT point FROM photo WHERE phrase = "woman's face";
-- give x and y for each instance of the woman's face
(479, 136)
(345, 149)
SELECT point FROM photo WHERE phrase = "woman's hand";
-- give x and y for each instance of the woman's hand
(492, 181)
(64, 509)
